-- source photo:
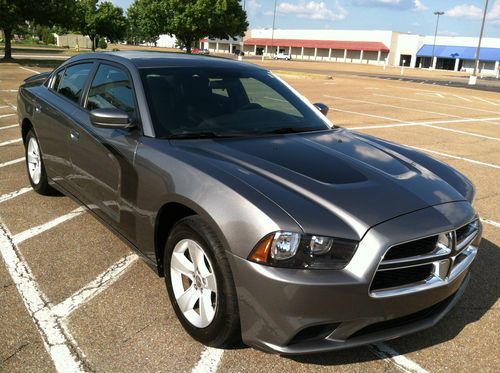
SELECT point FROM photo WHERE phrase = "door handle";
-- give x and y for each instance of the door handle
(74, 135)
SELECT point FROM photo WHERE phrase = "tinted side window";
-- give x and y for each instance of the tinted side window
(111, 88)
(73, 81)
(57, 79)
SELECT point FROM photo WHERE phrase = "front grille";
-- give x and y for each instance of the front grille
(466, 231)
(405, 320)
(400, 277)
(313, 333)
(413, 248)
(416, 262)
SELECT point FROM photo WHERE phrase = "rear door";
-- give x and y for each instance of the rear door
(102, 158)
(53, 117)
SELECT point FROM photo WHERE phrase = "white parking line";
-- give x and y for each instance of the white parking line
(6, 115)
(462, 98)
(491, 222)
(487, 101)
(8, 90)
(95, 287)
(54, 339)
(455, 157)
(462, 132)
(400, 361)
(8, 163)
(422, 123)
(6, 197)
(209, 360)
(9, 126)
(30, 70)
(29, 233)
(433, 94)
(394, 106)
(440, 103)
(368, 115)
(10, 142)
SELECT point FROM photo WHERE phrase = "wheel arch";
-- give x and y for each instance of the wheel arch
(168, 215)
(26, 126)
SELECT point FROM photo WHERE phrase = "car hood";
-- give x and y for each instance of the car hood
(325, 175)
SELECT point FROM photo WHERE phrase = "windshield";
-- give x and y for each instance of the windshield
(211, 102)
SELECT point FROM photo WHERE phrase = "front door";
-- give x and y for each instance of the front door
(102, 158)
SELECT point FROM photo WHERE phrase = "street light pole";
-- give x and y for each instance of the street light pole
(473, 78)
(240, 57)
(438, 14)
(274, 22)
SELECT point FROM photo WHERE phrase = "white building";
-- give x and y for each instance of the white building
(367, 47)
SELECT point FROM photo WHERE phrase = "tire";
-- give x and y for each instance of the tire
(35, 167)
(221, 325)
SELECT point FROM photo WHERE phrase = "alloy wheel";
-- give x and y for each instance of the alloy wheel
(194, 283)
(34, 160)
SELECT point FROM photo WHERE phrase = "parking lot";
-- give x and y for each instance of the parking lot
(74, 297)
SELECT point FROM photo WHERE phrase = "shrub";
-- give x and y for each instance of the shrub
(102, 43)
(48, 36)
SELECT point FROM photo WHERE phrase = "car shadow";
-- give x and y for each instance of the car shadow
(482, 293)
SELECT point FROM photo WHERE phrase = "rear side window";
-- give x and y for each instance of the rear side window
(57, 79)
(111, 88)
(73, 81)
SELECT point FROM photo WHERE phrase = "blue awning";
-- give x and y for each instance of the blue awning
(464, 53)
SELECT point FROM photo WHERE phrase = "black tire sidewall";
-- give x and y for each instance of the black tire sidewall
(218, 332)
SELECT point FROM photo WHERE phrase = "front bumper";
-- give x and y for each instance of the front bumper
(303, 311)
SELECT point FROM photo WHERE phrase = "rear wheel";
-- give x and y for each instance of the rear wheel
(200, 284)
(34, 164)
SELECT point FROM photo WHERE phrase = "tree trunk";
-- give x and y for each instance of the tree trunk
(188, 46)
(93, 39)
(8, 45)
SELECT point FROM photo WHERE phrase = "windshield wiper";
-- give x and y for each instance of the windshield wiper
(294, 130)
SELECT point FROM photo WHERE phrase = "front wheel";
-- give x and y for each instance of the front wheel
(34, 164)
(200, 284)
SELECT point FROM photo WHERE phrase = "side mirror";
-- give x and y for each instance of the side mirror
(110, 118)
(322, 107)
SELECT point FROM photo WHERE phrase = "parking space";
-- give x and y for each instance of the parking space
(73, 297)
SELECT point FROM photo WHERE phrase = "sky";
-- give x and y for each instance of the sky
(462, 17)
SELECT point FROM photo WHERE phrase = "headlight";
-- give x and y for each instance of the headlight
(301, 251)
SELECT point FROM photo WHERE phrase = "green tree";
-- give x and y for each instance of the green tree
(14, 13)
(191, 20)
(101, 19)
(102, 43)
(147, 20)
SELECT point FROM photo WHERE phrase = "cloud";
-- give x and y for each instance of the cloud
(448, 33)
(419, 6)
(465, 11)
(253, 7)
(494, 13)
(316, 10)
(470, 11)
(416, 5)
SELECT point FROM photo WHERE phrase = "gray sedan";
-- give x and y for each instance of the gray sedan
(268, 223)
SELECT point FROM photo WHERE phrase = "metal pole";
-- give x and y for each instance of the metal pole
(240, 57)
(274, 22)
(473, 78)
(435, 36)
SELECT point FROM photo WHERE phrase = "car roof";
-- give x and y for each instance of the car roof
(165, 59)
